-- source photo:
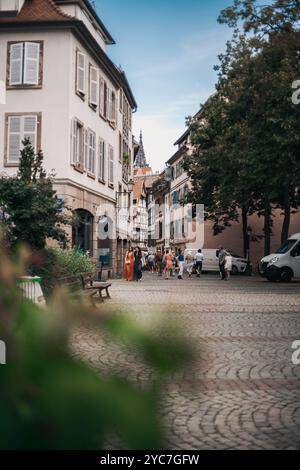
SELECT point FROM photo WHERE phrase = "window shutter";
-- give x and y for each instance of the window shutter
(14, 138)
(111, 165)
(74, 143)
(30, 129)
(31, 63)
(94, 86)
(91, 162)
(105, 113)
(80, 79)
(16, 64)
(86, 148)
(101, 96)
(101, 159)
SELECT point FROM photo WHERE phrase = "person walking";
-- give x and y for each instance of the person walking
(180, 260)
(138, 265)
(189, 264)
(129, 264)
(169, 264)
(228, 265)
(198, 258)
(158, 262)
(151, 259)
(222, 255)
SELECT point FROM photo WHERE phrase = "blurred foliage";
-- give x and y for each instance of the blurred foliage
(51, 400)
(53, 263)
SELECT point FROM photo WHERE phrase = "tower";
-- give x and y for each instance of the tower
(140, 159)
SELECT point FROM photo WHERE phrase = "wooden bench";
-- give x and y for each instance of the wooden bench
(89, 283)
(75, 287)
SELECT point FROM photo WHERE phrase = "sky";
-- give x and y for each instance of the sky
(167, 49)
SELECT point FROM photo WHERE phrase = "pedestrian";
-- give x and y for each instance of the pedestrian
(158, 262)
(180, 260)
(129, 265)
(175, 264)
(169, 264)
(222, 255)
(151, 259)
(189, 264)
(138, 265)
(228, 265)
(198, 258)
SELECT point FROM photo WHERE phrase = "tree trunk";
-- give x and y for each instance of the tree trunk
(287, 216)
(267, 225)
(245, 231)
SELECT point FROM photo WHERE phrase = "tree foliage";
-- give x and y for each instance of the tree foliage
(246, 142)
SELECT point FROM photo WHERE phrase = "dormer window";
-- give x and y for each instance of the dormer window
(25, 60)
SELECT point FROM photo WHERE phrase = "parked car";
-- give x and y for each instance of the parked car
(284, 264)
(211, 261)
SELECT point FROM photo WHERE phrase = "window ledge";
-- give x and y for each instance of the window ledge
(81, 96)
(94, 107)
(24, 87)
(77, 168)
(102, 181)
(11, 165)
(91, 175)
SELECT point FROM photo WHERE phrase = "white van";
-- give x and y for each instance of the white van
(211, 260)
(284, 264)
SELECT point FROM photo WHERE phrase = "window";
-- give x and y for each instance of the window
(89, 150)
(111, 165)
(77, 143)
(80, 74)
(120, 148)
(25, 64)
(18, 128)
(101, 174)
(94, 87)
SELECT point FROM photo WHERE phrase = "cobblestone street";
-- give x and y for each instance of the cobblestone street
(243, 392)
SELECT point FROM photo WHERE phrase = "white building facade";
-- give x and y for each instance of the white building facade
(66, 95)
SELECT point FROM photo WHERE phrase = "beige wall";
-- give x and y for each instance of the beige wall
(232, 237)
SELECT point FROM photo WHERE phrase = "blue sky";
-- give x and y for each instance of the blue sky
(168, 49)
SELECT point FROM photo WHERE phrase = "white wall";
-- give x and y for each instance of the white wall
(52, 100)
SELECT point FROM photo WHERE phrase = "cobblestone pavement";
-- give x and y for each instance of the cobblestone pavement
(243, 392)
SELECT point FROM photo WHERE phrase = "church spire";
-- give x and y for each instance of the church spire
(140, 159)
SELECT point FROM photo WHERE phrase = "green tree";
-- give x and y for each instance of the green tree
(246, 156)
(29, 206)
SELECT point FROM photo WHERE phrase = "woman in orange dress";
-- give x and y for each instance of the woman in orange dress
(169, 264)
(129, 262)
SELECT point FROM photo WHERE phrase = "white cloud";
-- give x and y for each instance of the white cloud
(159, 138)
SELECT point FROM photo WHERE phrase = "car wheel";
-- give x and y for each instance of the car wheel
(235, 270)
(286, 275)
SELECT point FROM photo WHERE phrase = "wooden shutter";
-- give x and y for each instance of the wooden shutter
(101, 160)
(106, 91)
(30, 129)
(92, 147)
(94, 86)
(101, 107)
(16, 64)
(111, 165)
(31, 63)
(80, 79)
(86, 148)
(14, 129)
(74, 145)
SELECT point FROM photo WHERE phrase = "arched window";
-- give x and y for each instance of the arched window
(82, 233)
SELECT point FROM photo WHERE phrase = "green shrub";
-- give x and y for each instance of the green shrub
(54, 263)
